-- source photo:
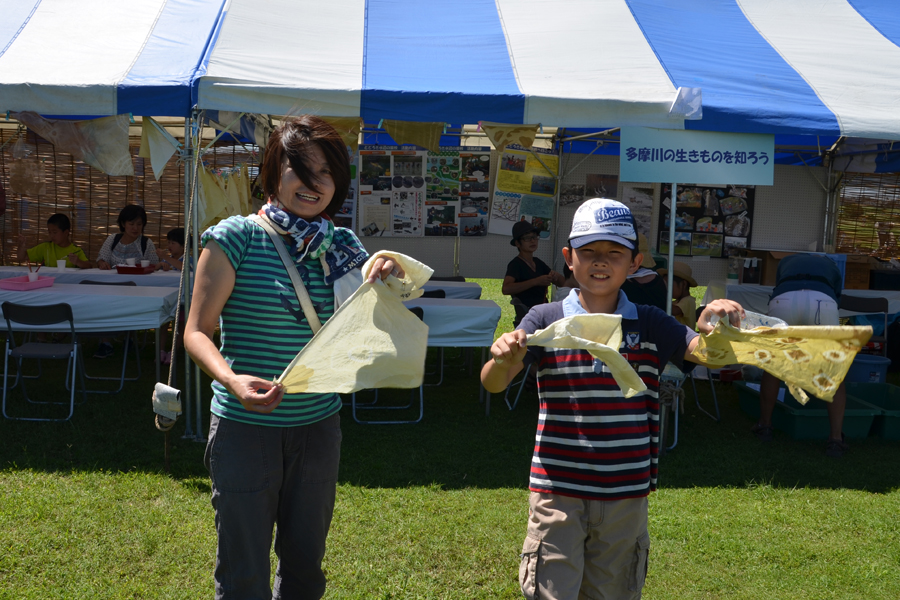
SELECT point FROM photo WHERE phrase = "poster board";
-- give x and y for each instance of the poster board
(406, 191)
(524, 190)
(714, 221)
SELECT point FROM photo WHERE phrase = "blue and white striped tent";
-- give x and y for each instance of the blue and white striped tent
(809, 67)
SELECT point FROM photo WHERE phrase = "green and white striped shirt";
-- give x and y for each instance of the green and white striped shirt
(263, 326)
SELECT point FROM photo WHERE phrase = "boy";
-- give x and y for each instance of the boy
(684, 307)
(596, 452)
(59, 247)
(175, 246)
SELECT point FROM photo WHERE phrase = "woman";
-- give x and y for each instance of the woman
(528, 277)
(273, 458)
(129, 242)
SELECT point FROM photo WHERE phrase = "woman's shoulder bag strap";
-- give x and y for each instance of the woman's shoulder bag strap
(302, 295)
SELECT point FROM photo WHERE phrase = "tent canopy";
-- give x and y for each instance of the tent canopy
(808, 67)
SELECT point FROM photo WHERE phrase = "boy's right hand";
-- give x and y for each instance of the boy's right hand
(510, 347)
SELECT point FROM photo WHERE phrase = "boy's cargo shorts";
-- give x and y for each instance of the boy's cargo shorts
(579, 548)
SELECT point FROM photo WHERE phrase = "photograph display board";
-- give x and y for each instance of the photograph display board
(346, 215)
(405, 191)
(524, 190)
(457, 181)
(711, 221)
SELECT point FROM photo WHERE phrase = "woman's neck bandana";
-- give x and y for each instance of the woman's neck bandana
(318, 239)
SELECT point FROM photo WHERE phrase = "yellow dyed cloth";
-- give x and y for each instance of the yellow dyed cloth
(601, 336)
(157, 144)
(348, 128)
(503, 134)
(371, 341)
(807, 359)
(425, 135)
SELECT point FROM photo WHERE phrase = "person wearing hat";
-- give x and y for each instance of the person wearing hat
(595, 451)
(527, 277)
(645, 286)
(684, 307)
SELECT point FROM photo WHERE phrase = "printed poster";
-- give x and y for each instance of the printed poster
(524, 190)
(639, 198)
(346, 215)
(709, 220)
(406, 191)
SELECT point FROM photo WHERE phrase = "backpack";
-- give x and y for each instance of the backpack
(119, 237)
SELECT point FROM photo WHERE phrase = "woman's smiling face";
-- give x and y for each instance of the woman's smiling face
(296, 197)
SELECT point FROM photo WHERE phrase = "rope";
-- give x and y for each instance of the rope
(164, 423)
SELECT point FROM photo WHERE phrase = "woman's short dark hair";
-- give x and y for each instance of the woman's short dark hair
(290, 143)
(130, 213)
(60, 221)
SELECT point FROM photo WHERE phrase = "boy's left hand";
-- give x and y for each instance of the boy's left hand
(723, 308)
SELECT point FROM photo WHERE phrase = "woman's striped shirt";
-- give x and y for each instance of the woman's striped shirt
(263, 326)
(591, 441)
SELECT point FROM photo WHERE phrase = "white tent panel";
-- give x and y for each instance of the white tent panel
(852, 67)
(582, 75)
(273, 58)
(76, 53)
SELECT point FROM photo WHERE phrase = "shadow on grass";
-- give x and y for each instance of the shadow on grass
(454, 447)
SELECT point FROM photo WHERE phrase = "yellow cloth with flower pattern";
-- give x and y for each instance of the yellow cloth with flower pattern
(814, 359)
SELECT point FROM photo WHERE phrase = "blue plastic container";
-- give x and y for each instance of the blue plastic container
(868, 369)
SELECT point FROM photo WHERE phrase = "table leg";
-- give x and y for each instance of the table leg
(156, 354)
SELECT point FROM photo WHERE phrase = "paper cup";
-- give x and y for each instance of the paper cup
(32, 277)
(145, 263)
(129, 262)
(61, 264)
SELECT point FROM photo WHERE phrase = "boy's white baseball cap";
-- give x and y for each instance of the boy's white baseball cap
(603, 219)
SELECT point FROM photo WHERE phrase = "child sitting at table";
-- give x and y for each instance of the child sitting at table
(175, 246)
(58, 248)
(684, 307)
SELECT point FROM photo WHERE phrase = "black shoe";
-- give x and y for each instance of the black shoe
(763, 433)
(104, 350)
(836, 448)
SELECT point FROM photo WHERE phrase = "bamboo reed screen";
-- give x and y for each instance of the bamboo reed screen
(868, 220)
(92, 200)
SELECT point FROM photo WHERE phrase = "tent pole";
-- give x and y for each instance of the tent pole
(186, 361)
(670, 268)
(554, 235)
(196, 117)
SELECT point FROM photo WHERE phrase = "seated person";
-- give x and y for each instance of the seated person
(807, 290)
(528, 277)
(568, 284)
(175, 246)
(645, 286)
(58, 248)
(130, 242)
(684, 307)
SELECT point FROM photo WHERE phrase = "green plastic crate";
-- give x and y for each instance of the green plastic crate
(809, 422)
(885, 398)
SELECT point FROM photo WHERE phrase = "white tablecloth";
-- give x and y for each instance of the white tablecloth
(102, 307)
(456, 289)
(456, 323)
(157, 279)
(756, 297)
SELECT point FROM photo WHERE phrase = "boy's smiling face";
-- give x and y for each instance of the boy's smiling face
(601, 267)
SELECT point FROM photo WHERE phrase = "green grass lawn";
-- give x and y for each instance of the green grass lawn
(438, 509)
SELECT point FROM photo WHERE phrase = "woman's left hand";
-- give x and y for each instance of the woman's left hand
(382, 267)
(724, 309)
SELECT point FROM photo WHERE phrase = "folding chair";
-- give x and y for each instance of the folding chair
(671, 394)
(520, 384)
(712, 386)
(40, 316)
(354, 405)
(130, 343)
(868, 306)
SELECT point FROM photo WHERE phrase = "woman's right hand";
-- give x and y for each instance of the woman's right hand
(255, 394)
(103, 265)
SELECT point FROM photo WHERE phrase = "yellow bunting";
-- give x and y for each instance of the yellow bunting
(424, 135)
(503, 134)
